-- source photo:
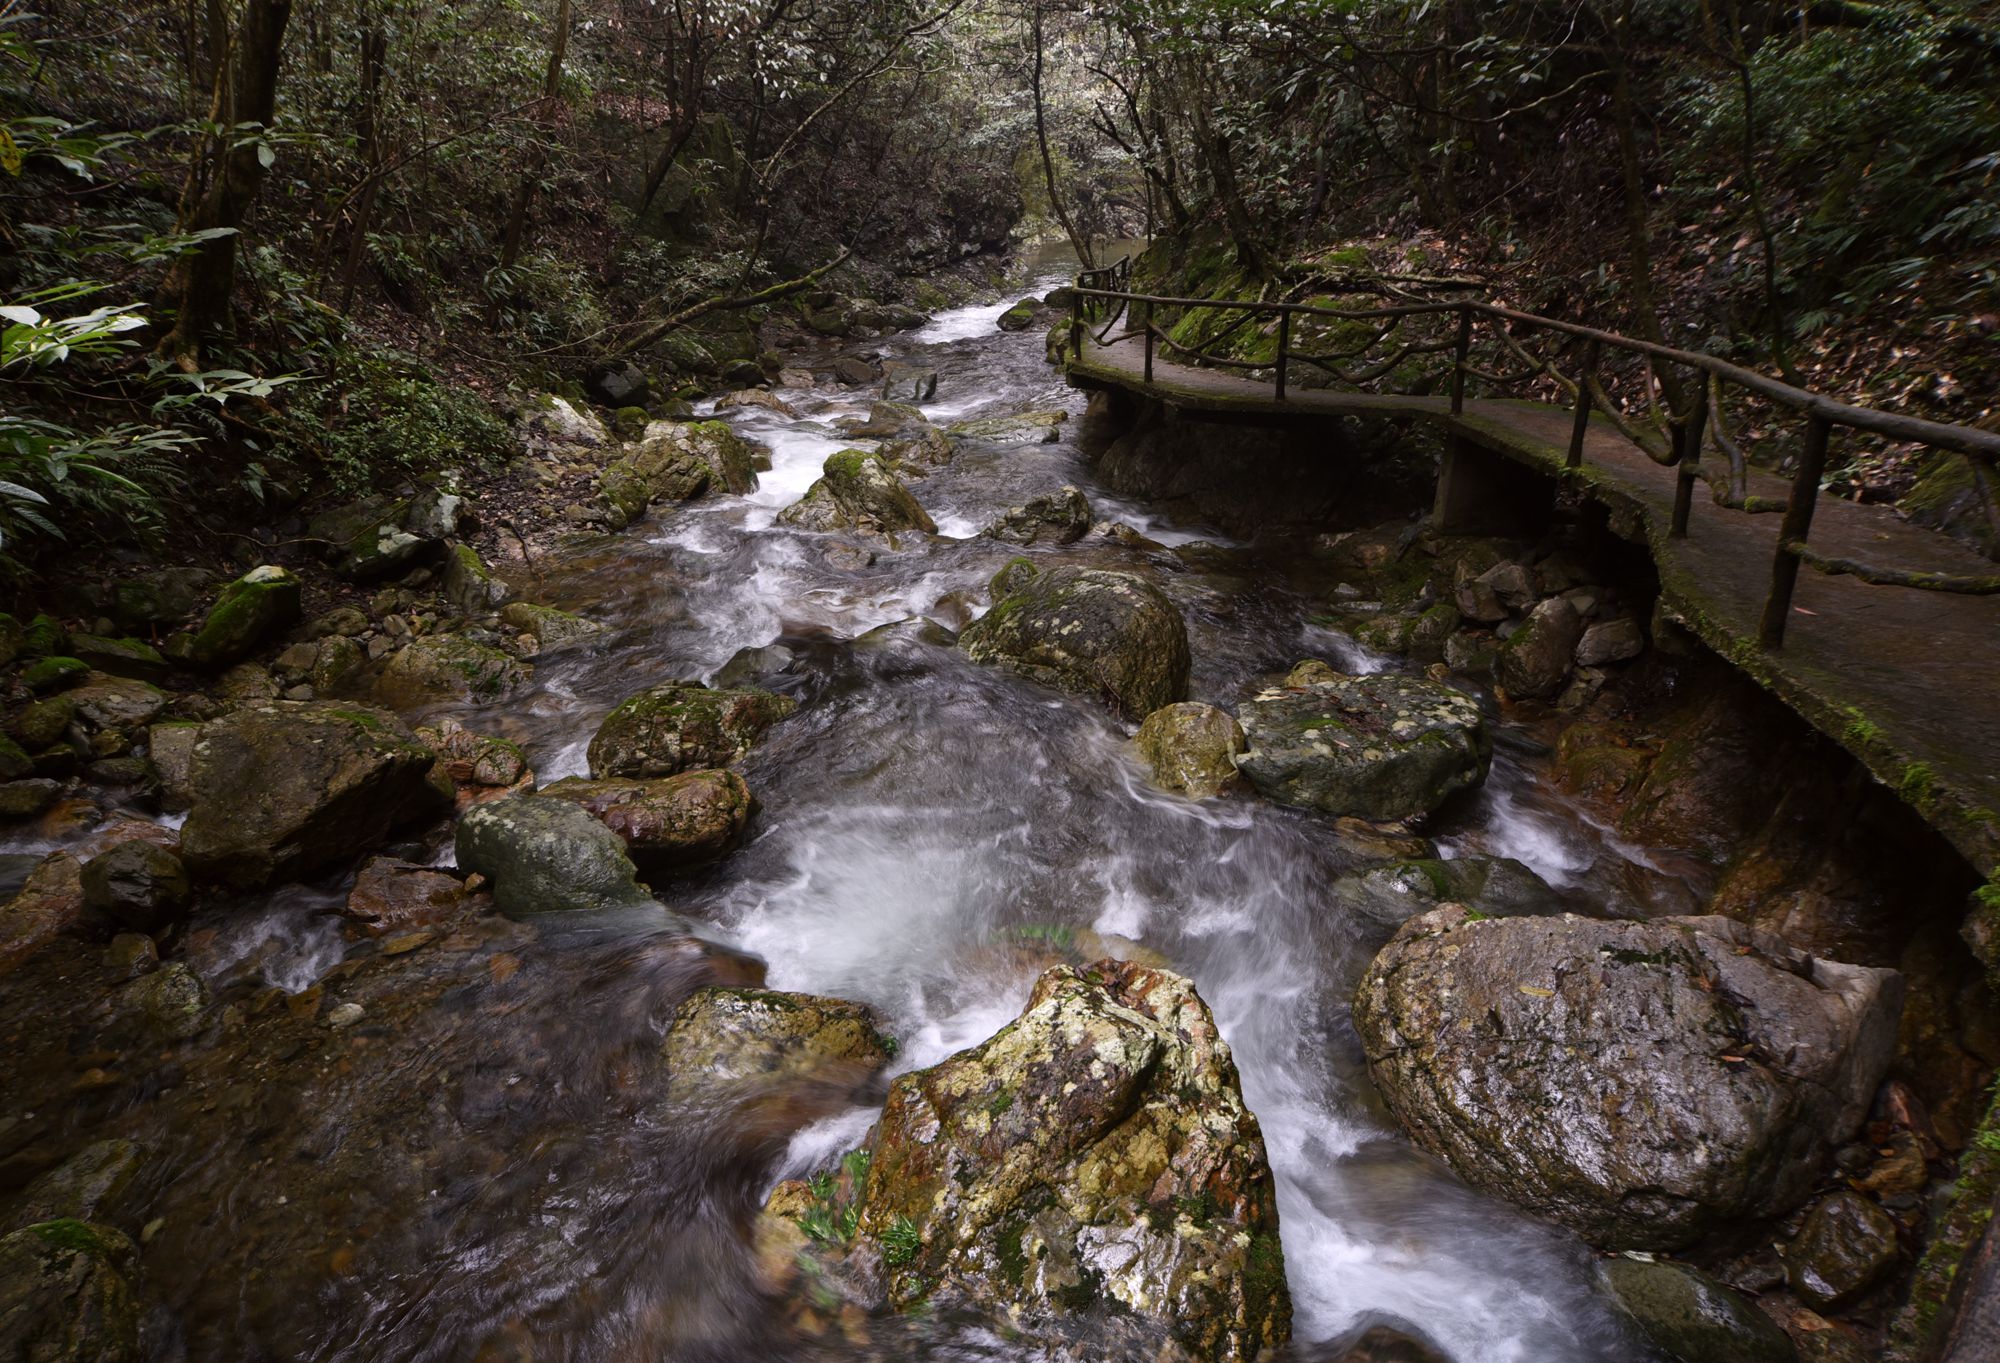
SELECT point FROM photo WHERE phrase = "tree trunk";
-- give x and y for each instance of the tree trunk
(524, 193)
(1076, 238)
(199, 286)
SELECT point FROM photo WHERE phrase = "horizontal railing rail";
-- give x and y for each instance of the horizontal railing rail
(1101, 298)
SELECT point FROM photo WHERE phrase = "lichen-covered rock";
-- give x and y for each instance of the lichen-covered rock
(48, 904)
(1378, 747)
(858, 491)
(682, 820)
(250, 610)
(1024, 428)
(726, 1041)
(1691, 1318)
(1061, 517)
(676, 462)
(548, 856)
(683, 726)
(551, 628)
(1191, 748)
(138, 885)
(1846, 1246)
(1090, 631)
(65, 1294)
(1644, 1083)
(1535, 659)
(283, 789)
(448, 667)
(1093, 1160)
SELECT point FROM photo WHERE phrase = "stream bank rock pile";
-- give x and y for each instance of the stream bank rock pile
(1088, 630)
(859, 491)
(1090, 1168)
(1645, 1084)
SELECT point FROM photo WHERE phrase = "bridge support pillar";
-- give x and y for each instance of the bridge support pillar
(1483, 493)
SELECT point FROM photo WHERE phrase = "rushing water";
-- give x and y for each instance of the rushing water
(918, 811)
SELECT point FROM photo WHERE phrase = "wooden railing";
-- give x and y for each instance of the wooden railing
(1101, 298)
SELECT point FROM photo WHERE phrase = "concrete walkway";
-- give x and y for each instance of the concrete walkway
(1906, 680)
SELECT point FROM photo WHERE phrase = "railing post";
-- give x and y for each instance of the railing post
(1582, 425)
(1076, 325)
(1798, 521)
(1284, 348)
(1149, 342)
(1464, 353)
(1690, 461)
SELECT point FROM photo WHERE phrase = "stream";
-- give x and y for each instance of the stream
(920, 817)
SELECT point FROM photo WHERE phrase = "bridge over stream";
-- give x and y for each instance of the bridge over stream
(1891, 645)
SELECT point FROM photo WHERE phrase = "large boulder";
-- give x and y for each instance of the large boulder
(448, 667)
(138, 885)
(250, 610)
(1535, 660)
(1191, 748)
(677, 461)
(729, 1043)
(858, 491)
(551, 629)
(1644, 1083)
(682, 820)
(683, 726)
(66, 1295)
(284, 789)
(1690, 1317)
(550, 425)
(1061, 517)
(1091, 631)
(1093, 1160)
(548, 856)
(1377, 747)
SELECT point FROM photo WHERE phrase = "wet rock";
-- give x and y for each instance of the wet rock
(164, 1006)
(138, 885)
(391, 896)
(476, 760)
(1691, 1318)
(1091, 631)
(48, 904)
(1610, 641)
(548, 856)
(1025, 428)
(682, 726)
(1096, 1151)
(448, 667)
(749, 665)
(94, 1184)
(1535, 659)
(470, 585)
(1380, 747)
(14, 760)
(119, 657)
(909, 383)
(25, 799)
(919, 451)
(250, 610)
(1847, 1245)
(337, 667)
(65, 1294)
(42, 722)
(1644, 1083)
(1191, 748)
(132, 954)
(1384, 1344)
(673, 821)
(1021, 316)
(106, 702)
(552, 629)
(347, 622)
(678, 461)
(283, 789)
(1014, 576)
(887, 421)
(1053, 518)
(858, 491)
(729, 1039)
(1493, 887)
(854, 372)
(757, 398)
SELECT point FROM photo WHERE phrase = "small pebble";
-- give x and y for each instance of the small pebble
(346, 1015)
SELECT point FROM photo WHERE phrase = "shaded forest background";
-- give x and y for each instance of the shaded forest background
(259, 252)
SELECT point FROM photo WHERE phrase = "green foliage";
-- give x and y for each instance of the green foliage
(387, 417)
(901, 1243)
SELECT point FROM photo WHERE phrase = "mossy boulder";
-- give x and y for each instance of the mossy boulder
(550, 628)
(919, 451)
(1091, 631)
(1060, 517)
(250, 610)
(668, 822)
(548, 856)
(286, 789)
(469, 585)
(1644, 1083)
(1378, 747)
(1690, 1317)
(66, 1294)
(14, 760)
(44, 637)
(1191, 748)
(683, 726)
(26, 799)
(53, 673)
(858, 491)
(132, 658)
(1021, 316)
(448, 667)
(676, 462)
(1094, 1159)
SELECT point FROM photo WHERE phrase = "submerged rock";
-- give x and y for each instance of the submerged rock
(1093, 1165)
(1061, 517)
(1691, 1318)
(548, 856)
(909, 383)
(858, 491)
(391, 896)
(1644, 1083)
(1025, 428)
(682, 726)
(283, 789)
(682, 820)
(1380, 747)
(1090, 631)
(1191, 748)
